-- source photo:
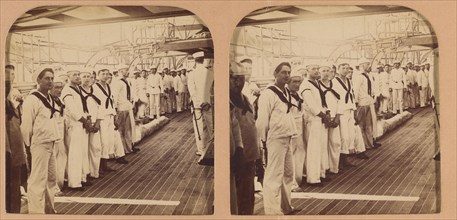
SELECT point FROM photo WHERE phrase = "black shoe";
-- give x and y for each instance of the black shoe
(206, 162)
(91, 177)
(77, 189)
(121, 160)
(135, 150)
(349, 164)
(316, 184)
(87, 183)
(376, 144)
(327, 179)
(298, 189)
(362, 156)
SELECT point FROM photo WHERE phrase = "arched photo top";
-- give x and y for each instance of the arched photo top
(105, 36)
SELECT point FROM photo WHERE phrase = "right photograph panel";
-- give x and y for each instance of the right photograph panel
(334, 111)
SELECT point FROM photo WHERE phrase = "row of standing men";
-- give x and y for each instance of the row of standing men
(306, 123)
(75, 122)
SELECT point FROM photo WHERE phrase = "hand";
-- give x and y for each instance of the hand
(390, 89)
(205, 106)
(97, 125)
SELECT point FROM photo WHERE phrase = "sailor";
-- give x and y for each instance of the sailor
(104, 122)
(60, 149)
(246, 154)
(422, 80)
(167, 84)
(398, 86)
(298, 144)
(364, 101)
(332, 99)
(93, 103)
(173, 90)
(141, 91)
(411, 78)
(124, 97)
(154, 89)
(79, 122)
(276, 126)
(185, 95)
(179, 90)
(40, 131)
(251, 90)
(15, 151)
(430, 76)
(199, 83)
(315, 121)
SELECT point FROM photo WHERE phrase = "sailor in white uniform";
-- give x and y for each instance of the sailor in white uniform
(298, 144)
(39, 130)
(315, 120)
(422, 80)
(60, 149)
(154, 89)
(105, 121)
(276, 127)
(199, 83)
(398, 86)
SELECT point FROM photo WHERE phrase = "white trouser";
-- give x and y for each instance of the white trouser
(119, 150)
(397, 96)
(317, 141)
(60, 151)
(197, 120)
(334, 148)
(422, 93)
(346, 131)
(358, 140)
(95, 149)
(179, 101)
(279, 177)
(42, 180)
(299, 154)
(208, 137)
(107, 136)
(78, 139)
(385, 104)
(154, 105)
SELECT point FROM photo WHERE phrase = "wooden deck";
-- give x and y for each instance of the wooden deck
(403, 167)
(165, 169)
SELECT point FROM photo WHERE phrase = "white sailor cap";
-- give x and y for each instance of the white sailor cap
(37, 73)
(296, 72)
(363, 60)
(60, 78)
(417, 64)
(242, 59)
(276, 63)
(397, 61)
(236, 69)
(198, 54)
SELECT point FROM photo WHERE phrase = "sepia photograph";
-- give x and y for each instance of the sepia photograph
(109, 111)
(334, 110)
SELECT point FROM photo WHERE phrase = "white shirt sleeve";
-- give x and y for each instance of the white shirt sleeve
(28, 119)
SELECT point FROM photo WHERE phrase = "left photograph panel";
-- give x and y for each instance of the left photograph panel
(109, 111)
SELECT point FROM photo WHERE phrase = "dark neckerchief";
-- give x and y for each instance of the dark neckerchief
(330, 89)
(321, 93)
(369, 83)
(83, 99)
(90, 94)
(61, 106)
(347, 88)
(282, 96)
(128, 88)
(109, 100)
(298, 99)
(46, 101)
